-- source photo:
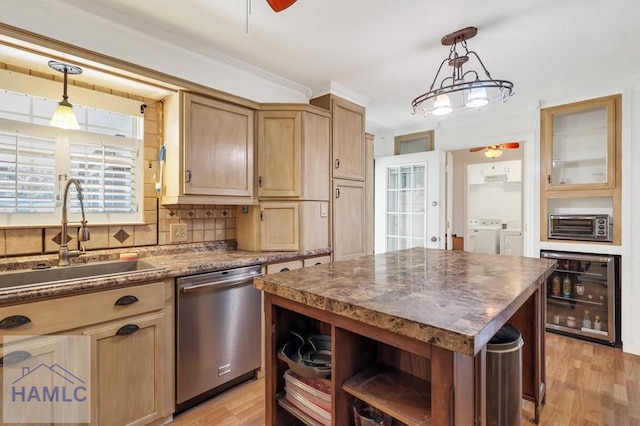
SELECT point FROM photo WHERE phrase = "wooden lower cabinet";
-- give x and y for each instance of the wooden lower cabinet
(127, 365)
(349, 213)
(130, 355)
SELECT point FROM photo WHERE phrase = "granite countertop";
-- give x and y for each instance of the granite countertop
(172, 261)
(453, 299)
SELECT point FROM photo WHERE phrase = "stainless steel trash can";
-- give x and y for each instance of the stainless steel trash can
(504, 377)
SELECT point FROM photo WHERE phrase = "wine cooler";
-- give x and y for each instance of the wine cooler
(583, 296)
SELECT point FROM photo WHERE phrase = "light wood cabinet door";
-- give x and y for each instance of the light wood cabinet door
(348, 224)
(279, 143)
(348, 140)
(293, 153)
(218, 148)
(127, 371)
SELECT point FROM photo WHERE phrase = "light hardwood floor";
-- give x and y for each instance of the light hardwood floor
(587, 384)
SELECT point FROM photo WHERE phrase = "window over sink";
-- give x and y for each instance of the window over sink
(37, 159)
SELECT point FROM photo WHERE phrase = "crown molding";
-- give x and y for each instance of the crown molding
(334, 88)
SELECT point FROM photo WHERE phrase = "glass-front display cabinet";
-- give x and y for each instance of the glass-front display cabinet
(582, 296)
(579, 145)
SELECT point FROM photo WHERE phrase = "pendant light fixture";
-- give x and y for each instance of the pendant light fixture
(64, 117)
(462, 88)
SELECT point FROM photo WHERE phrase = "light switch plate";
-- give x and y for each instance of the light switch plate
(323, 210)
(177, 233)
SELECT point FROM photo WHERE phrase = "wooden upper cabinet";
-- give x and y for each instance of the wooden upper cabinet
(209, 147)
(279, 144)
(347, 137)
(580, 145)
(293, 152)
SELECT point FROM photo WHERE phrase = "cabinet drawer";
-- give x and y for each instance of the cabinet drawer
(284, 266)
(312, 261)
(50, 316)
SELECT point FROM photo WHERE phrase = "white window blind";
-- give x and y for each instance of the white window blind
(107, 173)
(27, 174)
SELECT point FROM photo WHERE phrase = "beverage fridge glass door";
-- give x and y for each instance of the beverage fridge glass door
(581, 296)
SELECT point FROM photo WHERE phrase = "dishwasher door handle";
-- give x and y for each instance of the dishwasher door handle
(232, 282)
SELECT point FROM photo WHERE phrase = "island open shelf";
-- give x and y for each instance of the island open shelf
(399, 394)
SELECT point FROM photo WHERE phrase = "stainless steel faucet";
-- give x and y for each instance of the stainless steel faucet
(83, 233)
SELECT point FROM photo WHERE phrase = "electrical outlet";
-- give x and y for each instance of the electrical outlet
(177, 233)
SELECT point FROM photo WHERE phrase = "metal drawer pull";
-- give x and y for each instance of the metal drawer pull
(318, 263)
(125, 330)
(14, 358)
(284, 269)
(126, 300)
(14, 321)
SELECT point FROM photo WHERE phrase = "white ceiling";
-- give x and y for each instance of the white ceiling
(388, 51)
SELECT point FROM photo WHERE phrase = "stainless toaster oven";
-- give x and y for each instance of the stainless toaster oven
(582, 227)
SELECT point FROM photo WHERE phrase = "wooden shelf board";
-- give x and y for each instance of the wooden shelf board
(399, 394)
(295, 411)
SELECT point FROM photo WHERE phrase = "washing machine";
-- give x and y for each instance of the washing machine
(484, 235)
(511, 239)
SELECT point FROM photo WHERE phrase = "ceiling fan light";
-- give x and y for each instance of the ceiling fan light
(442, 105)
(477, 97)
(64, 117)
(493, 153)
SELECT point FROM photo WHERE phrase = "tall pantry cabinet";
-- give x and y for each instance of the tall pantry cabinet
(349, 177)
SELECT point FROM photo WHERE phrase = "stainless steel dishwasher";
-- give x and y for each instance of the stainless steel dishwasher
(218, 332)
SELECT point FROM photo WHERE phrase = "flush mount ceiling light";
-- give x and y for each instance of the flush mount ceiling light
(470, 88)
(64, 117)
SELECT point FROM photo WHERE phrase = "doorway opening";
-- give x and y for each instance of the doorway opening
(485, 200)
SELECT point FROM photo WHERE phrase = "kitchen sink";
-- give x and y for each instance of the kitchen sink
(57, 274)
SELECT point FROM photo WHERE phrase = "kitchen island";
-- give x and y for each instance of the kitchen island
(409, 330)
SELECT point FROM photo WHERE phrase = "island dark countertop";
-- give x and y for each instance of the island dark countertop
(452, 299)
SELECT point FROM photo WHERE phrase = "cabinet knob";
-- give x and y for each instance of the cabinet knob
(260, 181)
(188, 176)
(14, 321)
(125, 330)
(337, 192)
(337, 163)
(548, 178)
(129, 299)
(14, 358)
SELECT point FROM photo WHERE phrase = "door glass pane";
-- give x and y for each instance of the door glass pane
(405, 177)
(580, 147)
(392, 179)
(406, 206)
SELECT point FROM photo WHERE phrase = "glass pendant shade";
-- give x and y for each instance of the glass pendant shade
(442, 105)
(477, 97)
(64, 117)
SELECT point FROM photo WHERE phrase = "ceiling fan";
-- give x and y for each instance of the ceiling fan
(495, 151)
(280, 5)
